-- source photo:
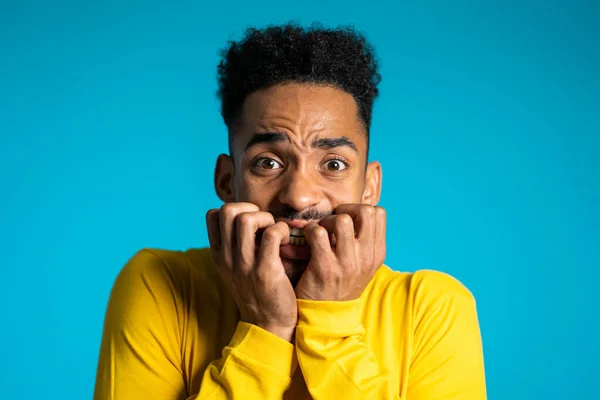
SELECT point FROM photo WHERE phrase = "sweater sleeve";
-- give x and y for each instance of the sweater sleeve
(447, 353)
(332, 356)
(140, 354)
(255, 365)
(447, 361)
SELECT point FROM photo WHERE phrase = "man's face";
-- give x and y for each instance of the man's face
(298, 152)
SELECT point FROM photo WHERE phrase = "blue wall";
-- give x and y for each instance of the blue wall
(488, 129)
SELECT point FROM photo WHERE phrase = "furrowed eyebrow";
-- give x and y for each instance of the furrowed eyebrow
(323, 143)
(268, 137)
(330, 143)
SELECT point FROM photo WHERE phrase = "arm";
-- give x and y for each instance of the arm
(447, 358)
(255, 365)
(140, 351)
(332, 356)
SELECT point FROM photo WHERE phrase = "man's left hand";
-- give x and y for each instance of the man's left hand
(341, 271)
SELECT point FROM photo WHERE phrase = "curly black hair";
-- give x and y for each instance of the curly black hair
(287, 53)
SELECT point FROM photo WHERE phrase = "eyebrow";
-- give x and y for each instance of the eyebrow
(323, 143)
(268, 137)
(330, 143)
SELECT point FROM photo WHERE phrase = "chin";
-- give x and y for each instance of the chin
(294, 269)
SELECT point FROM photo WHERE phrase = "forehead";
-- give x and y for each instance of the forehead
(303, 111)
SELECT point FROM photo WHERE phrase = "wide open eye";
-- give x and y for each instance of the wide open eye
(335, 165)
(267, 163)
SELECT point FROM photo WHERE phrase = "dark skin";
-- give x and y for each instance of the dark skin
(299, 161)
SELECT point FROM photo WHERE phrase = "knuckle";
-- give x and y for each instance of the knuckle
(233, 210)
(312, 225)
(245, 219)
(229, 210)
(244, 260)
(212, 213)
(265, 217)
(279, 225)
(248, 206)
(320, 233)
(270, 233)
(380, 211)
(367, 211)
(280, 229)
(344, 221)
(263, 273)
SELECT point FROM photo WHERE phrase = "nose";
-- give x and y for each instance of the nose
(299, 191)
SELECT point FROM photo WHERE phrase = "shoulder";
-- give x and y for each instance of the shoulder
(437, 283)
(167, 263)
(439, 299)
(430, 303)
(161, 272)
(424, 287)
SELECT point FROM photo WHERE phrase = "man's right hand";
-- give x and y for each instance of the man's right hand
(253, 271)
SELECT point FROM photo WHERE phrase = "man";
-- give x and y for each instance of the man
(291, 301)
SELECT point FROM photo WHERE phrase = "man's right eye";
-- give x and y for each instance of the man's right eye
(267, 163)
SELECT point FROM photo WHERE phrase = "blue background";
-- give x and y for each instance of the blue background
(488, 129)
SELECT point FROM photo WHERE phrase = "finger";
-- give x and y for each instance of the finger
(273, 238)
(247, 225)
(363, 216)
(380, 235)
(342, 226)
(214, 233)
(317, 238)
(227, 217)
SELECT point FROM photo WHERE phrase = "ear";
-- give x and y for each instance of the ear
(372, 190)
(224, 186)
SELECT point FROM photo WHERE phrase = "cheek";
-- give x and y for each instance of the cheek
(252, 190)
(344, 192)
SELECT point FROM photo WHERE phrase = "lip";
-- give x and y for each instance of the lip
(294, 252)
(296, 223)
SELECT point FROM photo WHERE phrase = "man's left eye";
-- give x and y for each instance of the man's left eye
(335, 165)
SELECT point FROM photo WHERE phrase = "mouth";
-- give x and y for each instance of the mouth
(297, 248)
(297, 237)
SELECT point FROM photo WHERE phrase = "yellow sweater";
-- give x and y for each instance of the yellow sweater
(172, 331)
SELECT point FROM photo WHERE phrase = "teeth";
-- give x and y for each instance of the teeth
(296, 232)
(297, 240)
(297, 236)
